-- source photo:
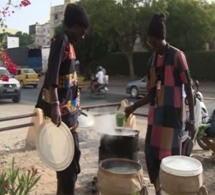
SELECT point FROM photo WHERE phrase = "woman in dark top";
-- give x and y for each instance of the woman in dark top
(59, 97)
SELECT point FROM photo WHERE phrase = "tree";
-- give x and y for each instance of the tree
(92, 47)
(3, 39)
(115, 21)
(210, 7)
(58, 28)
(118, 22)
(189, 24)
(24, 38)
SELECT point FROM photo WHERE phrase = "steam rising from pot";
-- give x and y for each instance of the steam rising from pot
(106, 124)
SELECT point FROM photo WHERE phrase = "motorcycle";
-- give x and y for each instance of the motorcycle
(101, 90)
(201, 117)
(205, 118)
(204, 111)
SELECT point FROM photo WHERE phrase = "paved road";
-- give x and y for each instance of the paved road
(115, 94)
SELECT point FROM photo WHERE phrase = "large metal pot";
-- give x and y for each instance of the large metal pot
(119, 145)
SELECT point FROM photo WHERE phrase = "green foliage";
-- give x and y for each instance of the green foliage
(18, 182)
(3, 40)
(201, 130)
(92, 47)
(24, 38)
(190, 23)
(201, 64)
(116, 22)
(58, 28)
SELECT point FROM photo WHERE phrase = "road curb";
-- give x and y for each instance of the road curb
(209, 98)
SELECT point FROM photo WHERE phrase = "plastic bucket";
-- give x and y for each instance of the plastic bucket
(181, 175)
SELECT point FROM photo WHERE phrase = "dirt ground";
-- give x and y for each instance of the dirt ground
(12, 144)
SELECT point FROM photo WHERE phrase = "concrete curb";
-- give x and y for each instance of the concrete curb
(209, 98)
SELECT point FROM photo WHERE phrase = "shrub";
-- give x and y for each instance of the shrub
(16, 181)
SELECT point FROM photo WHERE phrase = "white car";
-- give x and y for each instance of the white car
(137, 88)
(9, 89)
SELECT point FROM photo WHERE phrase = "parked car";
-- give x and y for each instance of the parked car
(137, 88)
(27, 76)
(9, 89)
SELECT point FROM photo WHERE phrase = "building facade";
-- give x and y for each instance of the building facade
(56, 15)
(40, 33)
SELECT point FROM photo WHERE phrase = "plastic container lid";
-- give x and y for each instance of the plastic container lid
(181, 166)
(55, 145)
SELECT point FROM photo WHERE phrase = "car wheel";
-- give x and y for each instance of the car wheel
(16, 99)
(21, 84)
(134, 92)
(35, 86)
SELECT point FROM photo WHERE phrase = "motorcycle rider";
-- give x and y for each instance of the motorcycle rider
(104, 71)
(99, 79)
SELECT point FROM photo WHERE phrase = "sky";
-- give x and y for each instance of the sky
(38, 11)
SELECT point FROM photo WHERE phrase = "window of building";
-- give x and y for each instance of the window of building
(56, 16)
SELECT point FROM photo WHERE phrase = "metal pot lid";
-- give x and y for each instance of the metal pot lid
(86, 121)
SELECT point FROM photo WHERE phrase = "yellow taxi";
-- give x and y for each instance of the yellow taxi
(27, 76)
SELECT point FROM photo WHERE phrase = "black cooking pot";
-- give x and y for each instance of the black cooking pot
(119, 145)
